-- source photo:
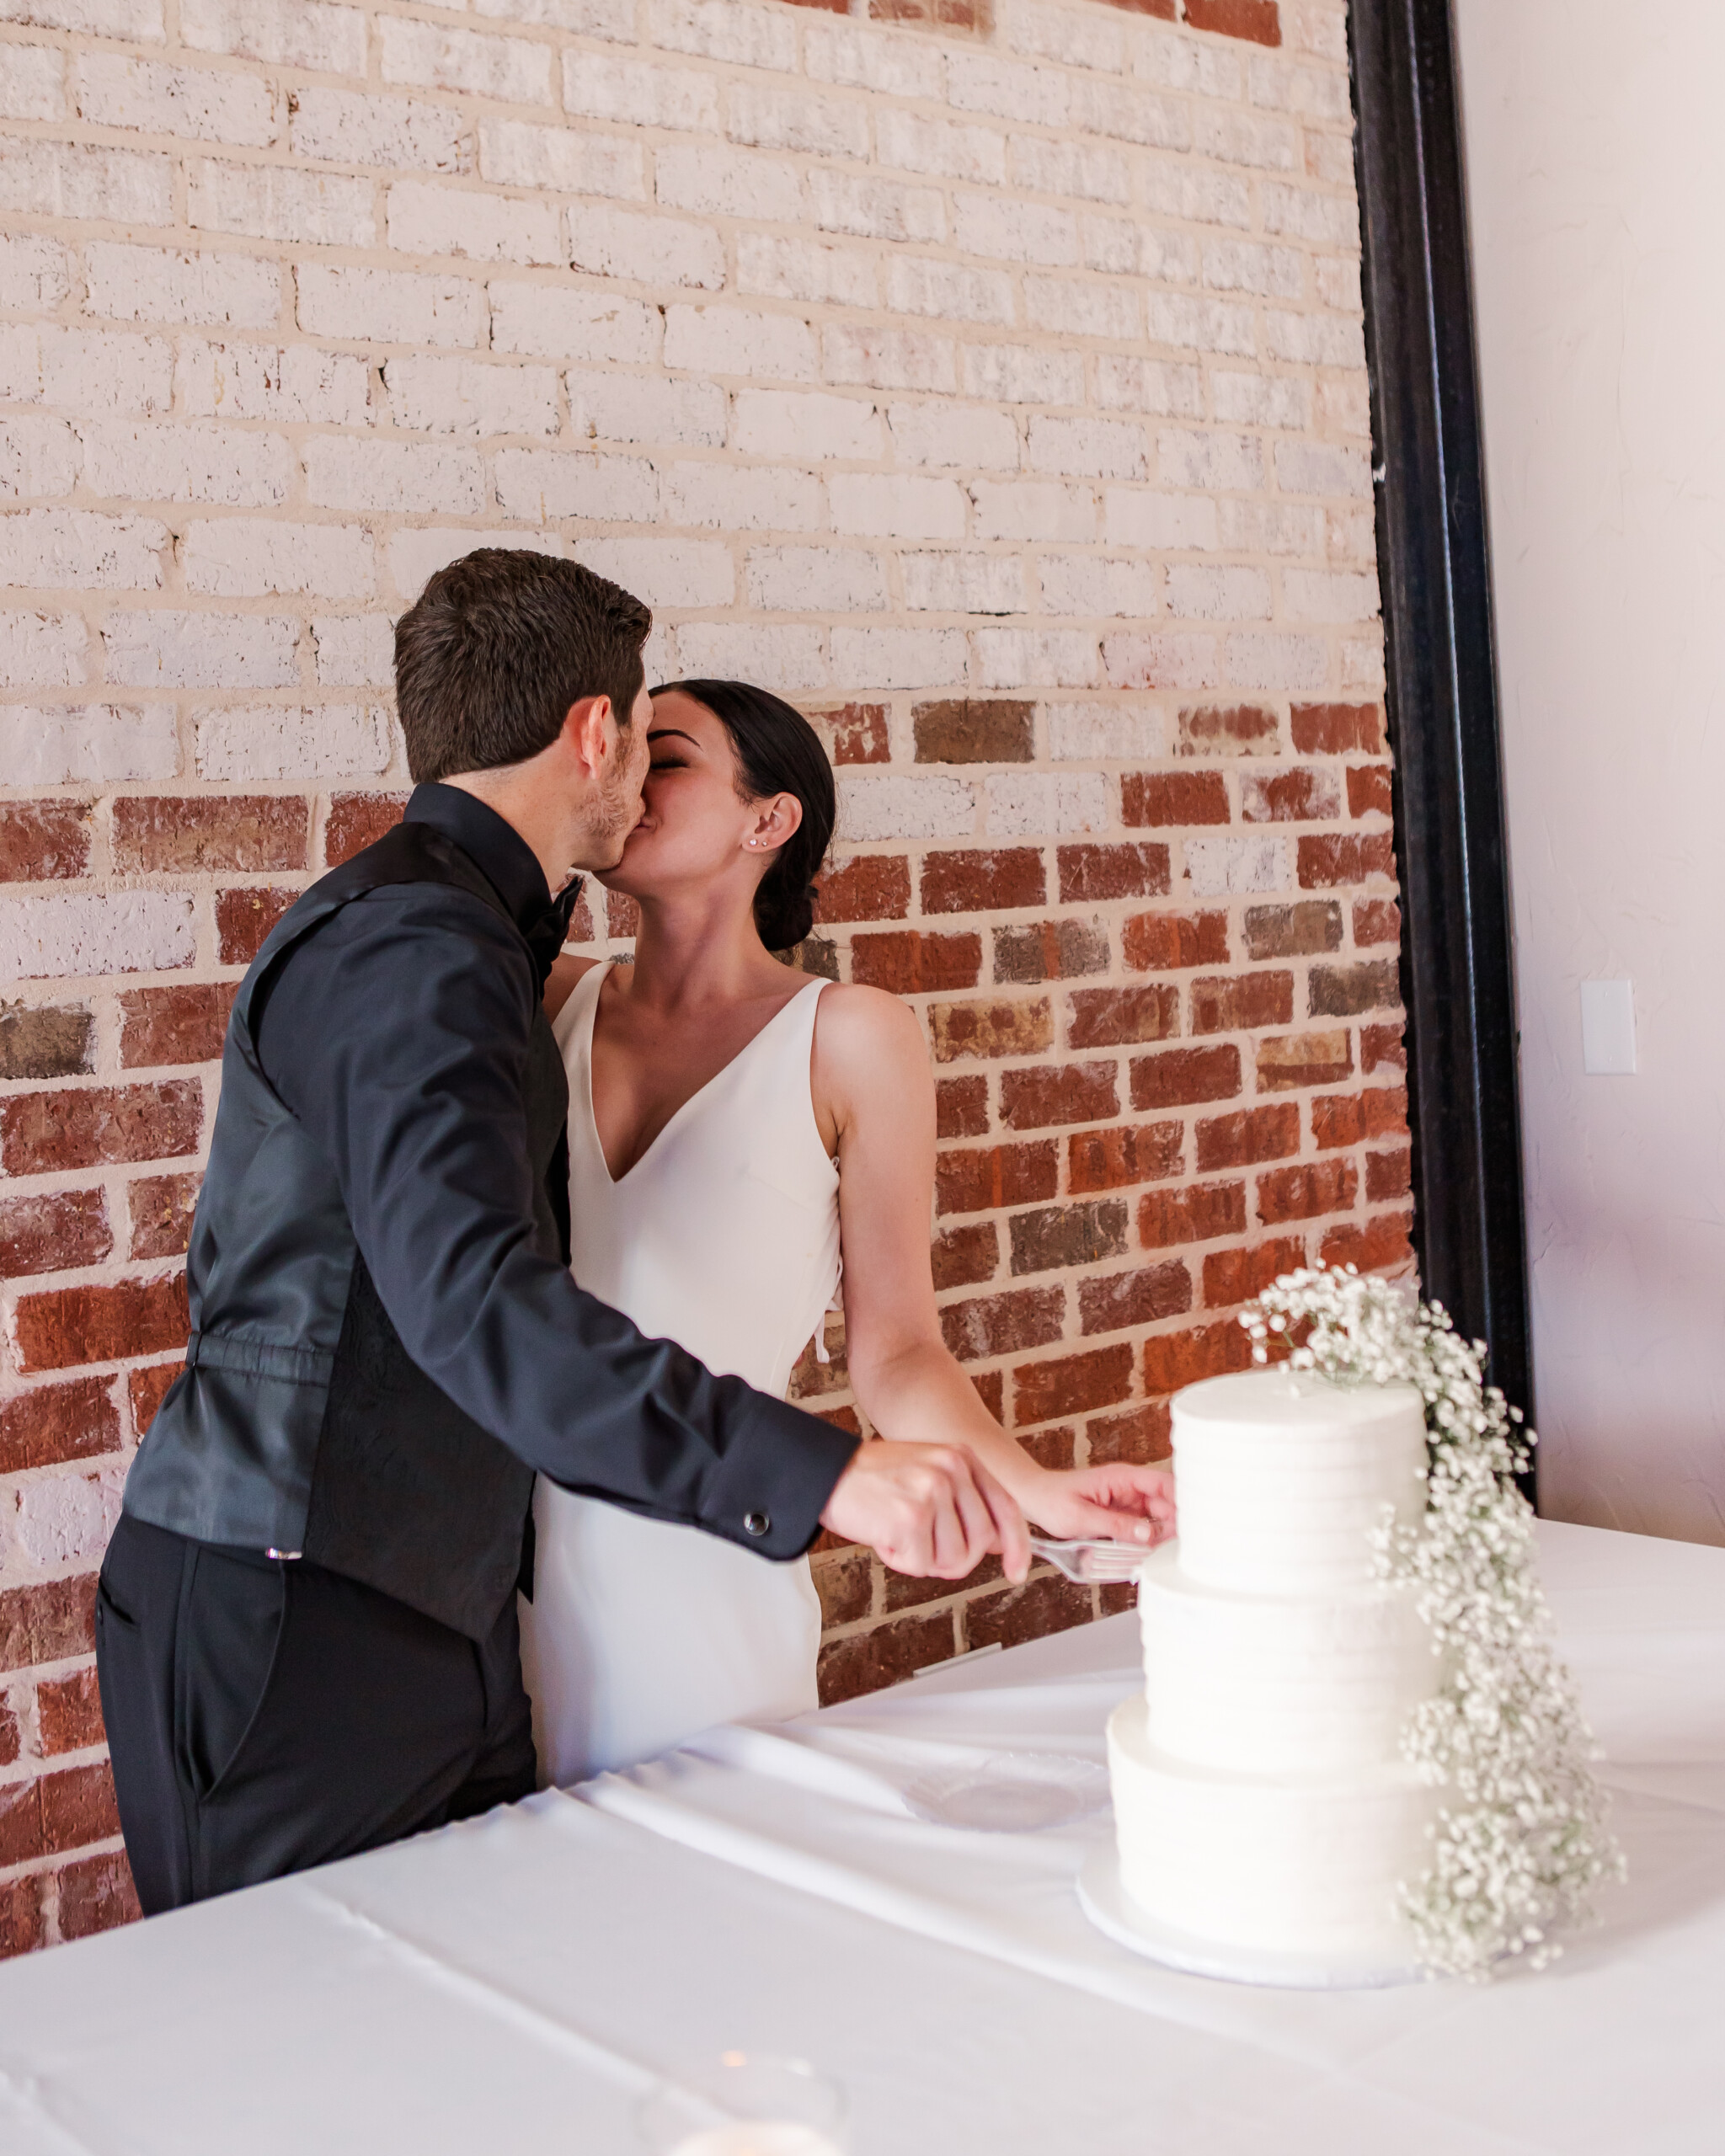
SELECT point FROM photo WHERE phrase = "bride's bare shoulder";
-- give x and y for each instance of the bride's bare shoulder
(871, 1071)
(855, 1022)
(565, 972)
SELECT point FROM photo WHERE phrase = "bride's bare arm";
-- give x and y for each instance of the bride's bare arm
(873, 1087)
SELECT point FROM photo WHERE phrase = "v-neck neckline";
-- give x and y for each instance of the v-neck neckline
(683, 1107)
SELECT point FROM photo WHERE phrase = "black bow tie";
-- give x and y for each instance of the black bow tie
(549, 932)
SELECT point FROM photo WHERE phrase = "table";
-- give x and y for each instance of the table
(514, 1983)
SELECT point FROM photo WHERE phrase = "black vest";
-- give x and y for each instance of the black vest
(300, 1425)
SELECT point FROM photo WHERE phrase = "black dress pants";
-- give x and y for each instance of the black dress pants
(265, 1715)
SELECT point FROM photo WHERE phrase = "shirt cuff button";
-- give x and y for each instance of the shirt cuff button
(756, 1523)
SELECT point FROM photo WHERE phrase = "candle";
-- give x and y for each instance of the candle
(758, 2137)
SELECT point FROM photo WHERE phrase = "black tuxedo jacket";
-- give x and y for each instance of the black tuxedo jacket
(386, 1341)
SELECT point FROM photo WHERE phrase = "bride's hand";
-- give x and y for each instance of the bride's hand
(934, 1511)
(1126, 1503)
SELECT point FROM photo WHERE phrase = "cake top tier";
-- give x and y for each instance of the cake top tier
(1301, 1400)
(1282, 1476)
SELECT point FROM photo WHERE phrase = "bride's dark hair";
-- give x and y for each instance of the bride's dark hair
(778, 751)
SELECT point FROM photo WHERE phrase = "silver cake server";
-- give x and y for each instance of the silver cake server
(1094, 1561)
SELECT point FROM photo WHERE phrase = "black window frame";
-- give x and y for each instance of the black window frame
(1441, 698)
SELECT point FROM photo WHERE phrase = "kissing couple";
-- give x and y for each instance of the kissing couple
(501, 1266)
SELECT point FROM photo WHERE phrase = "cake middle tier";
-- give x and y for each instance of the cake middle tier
(1267, 1684)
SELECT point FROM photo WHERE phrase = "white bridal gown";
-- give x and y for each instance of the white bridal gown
(724, 1236)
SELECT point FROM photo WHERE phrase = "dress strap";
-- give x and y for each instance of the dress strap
(580, 1006)
(837, 1303)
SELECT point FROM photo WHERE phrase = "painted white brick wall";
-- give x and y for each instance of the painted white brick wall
(99, 743)
(51, 936)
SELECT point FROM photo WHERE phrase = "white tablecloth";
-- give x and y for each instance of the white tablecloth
(512, 1984)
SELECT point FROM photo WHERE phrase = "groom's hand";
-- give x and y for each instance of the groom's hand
(932, 1511)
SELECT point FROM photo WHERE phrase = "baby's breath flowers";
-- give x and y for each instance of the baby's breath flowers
(1521, 1840)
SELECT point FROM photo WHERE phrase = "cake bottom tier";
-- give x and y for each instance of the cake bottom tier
(1280, 1864)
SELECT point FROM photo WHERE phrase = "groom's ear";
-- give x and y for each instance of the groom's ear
(589, 729)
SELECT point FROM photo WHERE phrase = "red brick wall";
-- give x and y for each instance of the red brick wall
(988, 378)
(1150, 1106)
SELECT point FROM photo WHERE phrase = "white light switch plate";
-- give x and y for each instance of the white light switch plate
(1608, 1028)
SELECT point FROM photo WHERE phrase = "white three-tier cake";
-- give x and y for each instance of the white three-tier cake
(1264, 1816)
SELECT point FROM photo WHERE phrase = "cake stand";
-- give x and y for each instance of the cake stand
(1109, 1907)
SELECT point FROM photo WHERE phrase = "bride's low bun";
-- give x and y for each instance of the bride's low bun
(783, 917)
(778, 751)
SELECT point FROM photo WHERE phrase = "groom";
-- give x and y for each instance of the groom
(306, 1625)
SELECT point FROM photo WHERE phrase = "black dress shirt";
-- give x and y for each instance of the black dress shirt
(398, 1035)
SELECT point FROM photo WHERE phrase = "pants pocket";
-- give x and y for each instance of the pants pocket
(228, 1646)
(109, 1610)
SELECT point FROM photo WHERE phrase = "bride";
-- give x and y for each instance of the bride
(740, 1136)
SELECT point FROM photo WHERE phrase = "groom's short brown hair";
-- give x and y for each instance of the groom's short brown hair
(497, 646)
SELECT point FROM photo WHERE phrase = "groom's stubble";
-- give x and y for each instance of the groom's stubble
(617, 804)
